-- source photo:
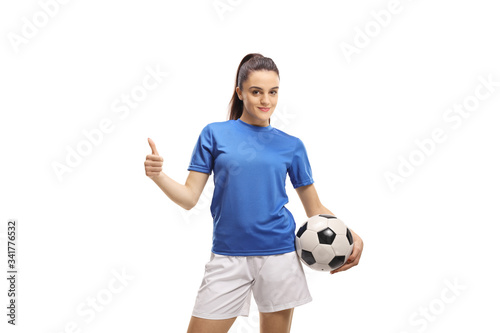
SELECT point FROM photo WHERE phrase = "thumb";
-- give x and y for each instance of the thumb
(153, 147)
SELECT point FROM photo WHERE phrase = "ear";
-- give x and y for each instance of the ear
(238, 92)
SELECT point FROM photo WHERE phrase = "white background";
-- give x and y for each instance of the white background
(357, 116)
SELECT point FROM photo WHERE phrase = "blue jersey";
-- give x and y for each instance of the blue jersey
(250, 164)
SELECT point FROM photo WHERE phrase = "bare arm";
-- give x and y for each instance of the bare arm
(186, 195)
(312, 204)
(310, 201)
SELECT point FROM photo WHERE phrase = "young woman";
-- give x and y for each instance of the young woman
(253, 246)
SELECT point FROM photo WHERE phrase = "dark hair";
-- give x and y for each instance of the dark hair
(250, 63)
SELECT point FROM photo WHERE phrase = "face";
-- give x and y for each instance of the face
(260, 96)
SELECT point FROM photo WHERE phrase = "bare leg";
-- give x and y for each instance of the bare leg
(290, 326)
(276, 322)
(201, 325)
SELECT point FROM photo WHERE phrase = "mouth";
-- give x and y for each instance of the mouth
(264, 109)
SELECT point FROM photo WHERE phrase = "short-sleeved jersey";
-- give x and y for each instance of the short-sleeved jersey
(250, 164)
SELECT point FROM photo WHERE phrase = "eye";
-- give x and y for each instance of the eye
(274, 92)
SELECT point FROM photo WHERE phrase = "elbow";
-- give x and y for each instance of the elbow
(186, 207)
(190, 205)
(190, 200)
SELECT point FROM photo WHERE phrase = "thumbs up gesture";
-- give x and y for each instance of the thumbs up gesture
(153, 161)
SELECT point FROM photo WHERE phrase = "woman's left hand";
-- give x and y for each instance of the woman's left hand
(353, 259)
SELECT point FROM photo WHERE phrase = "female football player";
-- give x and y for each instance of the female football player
(253, 248)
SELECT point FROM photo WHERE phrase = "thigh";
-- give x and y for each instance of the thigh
(225, 291)
(201, 325)
(276, 322)
(281, 283)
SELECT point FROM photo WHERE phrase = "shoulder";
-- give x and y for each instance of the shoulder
(215, 126)
(297, 144)
(292, 139)
(220, 123)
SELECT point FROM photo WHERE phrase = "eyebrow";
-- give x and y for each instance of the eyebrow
(263, 89)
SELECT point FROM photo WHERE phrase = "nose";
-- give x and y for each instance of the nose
(265, 100)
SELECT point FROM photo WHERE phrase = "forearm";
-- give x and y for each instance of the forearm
(178, 193)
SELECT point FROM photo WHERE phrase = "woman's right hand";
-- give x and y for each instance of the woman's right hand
(154, 162)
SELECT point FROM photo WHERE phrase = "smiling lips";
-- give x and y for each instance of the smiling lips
(264, 109)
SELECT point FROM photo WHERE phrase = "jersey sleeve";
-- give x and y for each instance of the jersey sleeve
(300, 170)
(202, 157)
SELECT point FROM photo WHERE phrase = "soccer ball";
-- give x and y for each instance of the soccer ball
(323, 242)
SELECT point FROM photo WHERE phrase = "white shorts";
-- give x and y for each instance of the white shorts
(278, 282)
